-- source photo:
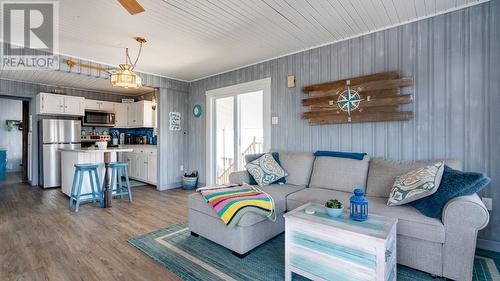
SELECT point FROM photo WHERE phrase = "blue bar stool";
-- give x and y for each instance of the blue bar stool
(119, 169)
(76, 190)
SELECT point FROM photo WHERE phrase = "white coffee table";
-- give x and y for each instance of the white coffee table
(323, 248)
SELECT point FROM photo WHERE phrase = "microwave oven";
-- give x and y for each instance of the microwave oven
(98, 119)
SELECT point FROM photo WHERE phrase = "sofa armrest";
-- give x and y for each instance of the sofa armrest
(462, 217)
(239, 177)
(468, 210)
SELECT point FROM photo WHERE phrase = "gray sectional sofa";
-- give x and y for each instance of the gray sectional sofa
(442, 247)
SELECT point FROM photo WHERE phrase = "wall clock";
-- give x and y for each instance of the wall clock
(197, 110)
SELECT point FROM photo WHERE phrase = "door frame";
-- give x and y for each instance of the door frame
(263, 85)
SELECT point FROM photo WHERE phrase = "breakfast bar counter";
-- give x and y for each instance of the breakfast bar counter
(102, 157)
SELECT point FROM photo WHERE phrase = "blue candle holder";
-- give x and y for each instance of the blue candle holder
(359, 205)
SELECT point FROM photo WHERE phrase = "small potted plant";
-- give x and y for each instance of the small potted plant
(334, 208)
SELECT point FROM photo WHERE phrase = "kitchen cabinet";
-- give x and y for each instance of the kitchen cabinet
(135, 115)
(142, 164)
(53, 104)
(121, 115)
(99, 105)
(152, 167)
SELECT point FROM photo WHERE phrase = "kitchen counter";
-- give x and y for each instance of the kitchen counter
(71, 157)
(133, 146)
(97, 150)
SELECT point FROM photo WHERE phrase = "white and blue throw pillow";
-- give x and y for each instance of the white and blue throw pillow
(416, 184)
(265, 170)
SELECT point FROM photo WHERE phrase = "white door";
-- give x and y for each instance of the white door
(239, 124)
(152, 168)
(132, 115)
(53, 103)
(74, 105)
(92, 104)
(107, 106)
(147, 119)
(121, 115)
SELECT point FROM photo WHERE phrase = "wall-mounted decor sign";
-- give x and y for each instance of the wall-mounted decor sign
(174, 121)
(197, 111)
(368, 98)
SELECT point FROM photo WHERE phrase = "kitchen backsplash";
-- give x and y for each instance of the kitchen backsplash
(148, 132)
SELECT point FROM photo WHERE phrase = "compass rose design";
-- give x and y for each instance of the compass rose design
(349, 100)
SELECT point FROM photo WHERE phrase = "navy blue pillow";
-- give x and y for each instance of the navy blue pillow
(340, 154)
(250, 157)
(454, 183)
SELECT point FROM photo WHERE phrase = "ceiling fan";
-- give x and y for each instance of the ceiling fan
(132, 6)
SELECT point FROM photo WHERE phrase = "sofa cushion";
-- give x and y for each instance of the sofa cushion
(339, 173)
(383, 172)
(411, 222)
(277, 191)
(316, 195)
(298, 165)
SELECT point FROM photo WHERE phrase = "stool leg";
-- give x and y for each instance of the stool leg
(80, 180)
(128, 186)
(120, 184)
(113, 175)
(72, 193)
(101, 191)
(92, 185)
(96, 175)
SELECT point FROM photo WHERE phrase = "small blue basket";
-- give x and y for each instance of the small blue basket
(189, 182)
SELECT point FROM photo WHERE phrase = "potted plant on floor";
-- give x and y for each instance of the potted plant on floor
(334, 208)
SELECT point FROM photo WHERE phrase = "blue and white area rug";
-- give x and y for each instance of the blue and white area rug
(196, 258)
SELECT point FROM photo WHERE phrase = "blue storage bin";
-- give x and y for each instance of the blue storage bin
(189, 182)
(3, 164)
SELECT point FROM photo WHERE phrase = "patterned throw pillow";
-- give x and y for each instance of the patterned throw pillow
(416, 184)
(265, 170)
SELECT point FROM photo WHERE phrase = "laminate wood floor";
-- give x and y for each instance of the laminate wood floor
(40, 239)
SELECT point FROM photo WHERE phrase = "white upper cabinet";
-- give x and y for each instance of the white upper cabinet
(59, 104)
(121, 115)
(135, 115)
(99, 105)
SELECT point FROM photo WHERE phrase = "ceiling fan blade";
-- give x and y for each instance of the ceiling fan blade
(132, 6)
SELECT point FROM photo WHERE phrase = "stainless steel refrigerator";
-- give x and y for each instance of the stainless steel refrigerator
(55, 134)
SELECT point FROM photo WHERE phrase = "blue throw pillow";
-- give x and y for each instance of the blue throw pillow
(251, 157)
(454, 183)
(340, 154)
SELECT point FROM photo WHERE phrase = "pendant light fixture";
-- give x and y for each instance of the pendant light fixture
(124, 76)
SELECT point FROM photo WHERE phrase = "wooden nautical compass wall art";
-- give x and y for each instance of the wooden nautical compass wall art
(368, 98)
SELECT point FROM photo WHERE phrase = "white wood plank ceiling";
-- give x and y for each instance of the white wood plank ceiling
(191, 39)
(69, 80)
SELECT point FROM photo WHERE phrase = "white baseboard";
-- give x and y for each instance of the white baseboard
(488, 245)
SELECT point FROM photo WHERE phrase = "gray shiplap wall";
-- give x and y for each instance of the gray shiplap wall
(454, 59)
(171, 143)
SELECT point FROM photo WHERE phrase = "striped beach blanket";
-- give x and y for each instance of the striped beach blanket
(232, 203)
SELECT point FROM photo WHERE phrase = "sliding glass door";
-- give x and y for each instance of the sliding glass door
(237, 127)
(239, 130)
